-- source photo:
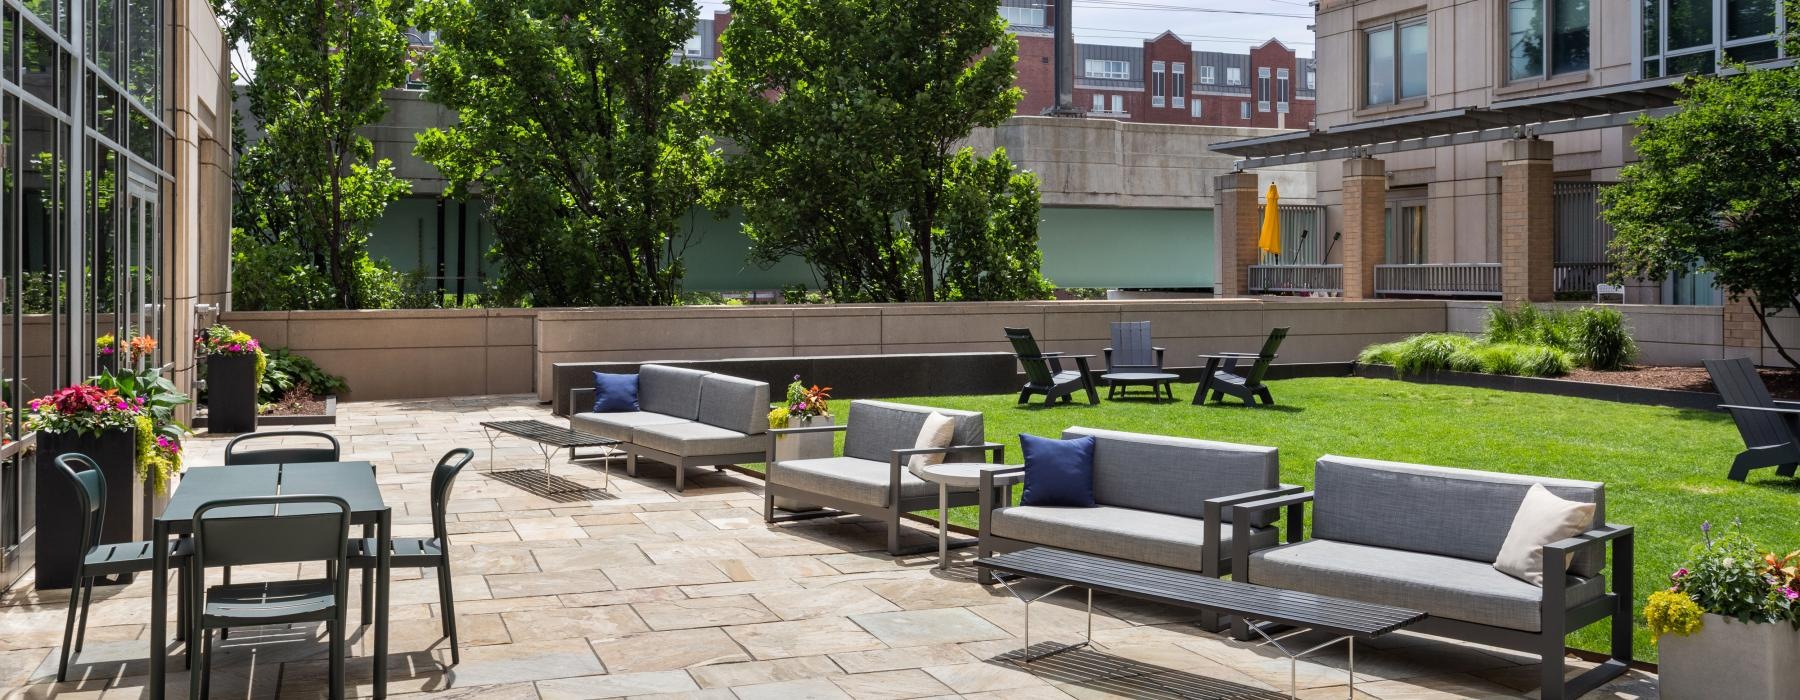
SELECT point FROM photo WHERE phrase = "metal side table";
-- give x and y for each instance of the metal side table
(951, 475)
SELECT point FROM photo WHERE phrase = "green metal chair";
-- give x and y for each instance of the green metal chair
(425, 552)
(1247, 386)
(1044, 371)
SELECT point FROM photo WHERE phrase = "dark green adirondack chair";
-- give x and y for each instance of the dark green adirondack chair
(1771, 429)
(1247, 385)
(1044, 372)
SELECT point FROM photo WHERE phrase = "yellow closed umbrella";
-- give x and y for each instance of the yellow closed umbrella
(1270, 241)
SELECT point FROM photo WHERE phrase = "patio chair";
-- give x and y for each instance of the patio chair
(299, 529)
(95, 560)
(424, 552)
(1044, 371)
(1247, 386)
(1771, 429)
(1134, 360)
(236, 454)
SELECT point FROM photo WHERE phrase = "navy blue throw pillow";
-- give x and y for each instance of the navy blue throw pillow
(1058, 472)
(615, 393)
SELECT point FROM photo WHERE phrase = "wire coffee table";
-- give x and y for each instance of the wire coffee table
(550, 440)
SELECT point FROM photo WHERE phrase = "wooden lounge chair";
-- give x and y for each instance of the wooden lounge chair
(1134, 360)
(1044, 371)
(1222, 381)
(1771, 428)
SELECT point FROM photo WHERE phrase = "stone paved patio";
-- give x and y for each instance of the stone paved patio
(640, 592)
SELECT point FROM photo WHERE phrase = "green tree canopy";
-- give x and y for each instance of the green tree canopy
(845, 115)
(1717, 189)
(575, 125)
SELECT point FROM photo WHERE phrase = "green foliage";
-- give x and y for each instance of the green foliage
(1729, 576)
(287, 371)
(1084, 292)
(846, 115)
(1670, 612)
(1602, 340)
(310, 189)
(1596, 337)
(1379, 354)
(1428, 352)
(1716, 188)
(577, 129)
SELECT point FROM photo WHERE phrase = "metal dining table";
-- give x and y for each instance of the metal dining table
(352, 481)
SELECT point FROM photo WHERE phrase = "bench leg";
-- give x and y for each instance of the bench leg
(1025, 655)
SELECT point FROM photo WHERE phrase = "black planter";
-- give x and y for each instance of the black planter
(231, 394)
(128, 506)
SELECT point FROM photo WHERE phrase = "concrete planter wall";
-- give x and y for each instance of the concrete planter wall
(1727, 658)
(804, 446)
(128, 504)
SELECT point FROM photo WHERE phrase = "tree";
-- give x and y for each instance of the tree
(575, 125)
(846, 114)
(988, 231)
(1717, 189)
(310, 190)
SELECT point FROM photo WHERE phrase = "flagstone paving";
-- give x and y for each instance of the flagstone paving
(638, 591)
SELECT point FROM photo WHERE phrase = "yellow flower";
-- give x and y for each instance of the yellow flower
(1672, 612)
(778, 418)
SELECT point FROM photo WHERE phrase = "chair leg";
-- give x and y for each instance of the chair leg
(62, 664)
(336, 666)
(1787, 469)
(368, 581)
(680, 476)
(893, 533)
(1093, 396)
(224, 633)
(199, 688)
(87, 597)
(1267, 398)
(768, 505)
(1024, 395)
(630, 463)
(1550, 675)
(1740, 467)
(447, 603)
(181, 601)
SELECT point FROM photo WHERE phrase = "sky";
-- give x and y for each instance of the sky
(1210, 25)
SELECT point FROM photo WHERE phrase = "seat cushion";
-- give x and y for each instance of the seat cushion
(1458, 589)
(671, 391)
(849, 478)
(1125, 533)
(617, 426)
(690, 439)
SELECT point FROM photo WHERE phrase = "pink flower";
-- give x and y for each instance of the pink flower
(1790, 594)
(106, 351)
(1679, 573)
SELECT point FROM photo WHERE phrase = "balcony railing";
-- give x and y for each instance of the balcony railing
(1443, 280)
(1296, 278)
(1581, 277)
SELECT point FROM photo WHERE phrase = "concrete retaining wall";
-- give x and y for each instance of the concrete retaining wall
(406, 354)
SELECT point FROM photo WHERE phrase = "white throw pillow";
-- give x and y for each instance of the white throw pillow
(936, 432)
(1542, 519)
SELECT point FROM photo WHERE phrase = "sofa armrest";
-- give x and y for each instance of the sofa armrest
(578, 397)
(1242, 514)
(1214, 513)
(1556, 577)
(996, 493)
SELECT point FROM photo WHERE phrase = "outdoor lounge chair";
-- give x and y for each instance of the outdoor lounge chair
(1221, 381)
(1771, 428)
(1044, 372)
(1134, 360)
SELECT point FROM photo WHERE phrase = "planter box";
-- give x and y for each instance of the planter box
(806, 446)
(231, 394)
(129, 506)
(1727, 658)
(329, 417)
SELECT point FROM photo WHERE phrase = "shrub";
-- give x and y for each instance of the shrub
(1379, 354)
(1428, 352)
(1541, 361)
(1601, 338)
(287, 370)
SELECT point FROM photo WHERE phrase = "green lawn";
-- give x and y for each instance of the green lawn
(1664, 468)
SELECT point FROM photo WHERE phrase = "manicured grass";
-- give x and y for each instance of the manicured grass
(1664, 468)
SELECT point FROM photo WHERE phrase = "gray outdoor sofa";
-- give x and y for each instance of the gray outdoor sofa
(1160, 500)
(686, 418)
(1425, 538)
(871, 477)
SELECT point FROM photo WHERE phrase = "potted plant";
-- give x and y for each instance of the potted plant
(234, 367)
(159, 434)
(1730, 619)
(805, 408)
(103, 425)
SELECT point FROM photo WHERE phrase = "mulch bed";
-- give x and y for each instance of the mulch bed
(1783, 383)
(297, 403)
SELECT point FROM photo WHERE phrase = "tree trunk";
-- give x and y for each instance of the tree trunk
(1763, 319)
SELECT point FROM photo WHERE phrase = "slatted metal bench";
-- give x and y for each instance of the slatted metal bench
(1345, 620)
(550, 439)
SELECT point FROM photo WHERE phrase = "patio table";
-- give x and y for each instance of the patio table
(352, 481)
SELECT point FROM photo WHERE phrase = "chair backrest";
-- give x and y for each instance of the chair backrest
(442, 477)
(1175, 475)
(235, 454)
(89, 486)
(271, 530)
(734, 404)
(1458, 513)
(1740, 385)
(1265, 356)
(1037, 368)
(671, 391)
(877, 428)
(1131, 346)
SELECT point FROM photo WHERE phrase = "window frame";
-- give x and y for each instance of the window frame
(1195, 109)
(1118, 104)
(1206, 75)
(1394, 27)
(1099, 103)
(1157, 88)
(1106, 66)
(1244, 110)
(1234, 75)
(1719, 47)
(1178, 85)
(1547, 30)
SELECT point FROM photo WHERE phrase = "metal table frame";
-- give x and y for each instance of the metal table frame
(551, 439)
(944, 480)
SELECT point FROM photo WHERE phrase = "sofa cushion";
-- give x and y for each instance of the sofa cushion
(1542, 519)
(1125, 533)
(1176, 475)
(1459, 589)
(673, 391)
(936, 432)
(856, 480)
(734, 404)
(1436, 510)
(694, 439)
(877, 428)
(1058, 472)
(617, 426)
(615, 393)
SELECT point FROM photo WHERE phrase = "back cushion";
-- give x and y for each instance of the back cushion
(734, 404)
(1174, 475)
(877, 428)
(671, 391)
(1437, 510)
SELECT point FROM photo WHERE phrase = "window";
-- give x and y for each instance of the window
(1234, 76)
(1312, 79)
(1697, 36)
(692, 47)
(1099, 103)
(1262, 89)
(1156, 84)
(1546, 38)
(1281, 89)
(1030, 14)
(1206, 75)
(1244, 110)
(1178, 87)
(1394, 61)
(1406, 231)
(1110, 70)
(1118, 104)
(1194, 109)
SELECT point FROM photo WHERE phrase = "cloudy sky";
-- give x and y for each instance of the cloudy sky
(1212, 25)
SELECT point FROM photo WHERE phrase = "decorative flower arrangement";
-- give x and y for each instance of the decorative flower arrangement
(220, 339)
(802, 402)
(139, 347)
(83, 409)
(1730, 577)
(104, 345)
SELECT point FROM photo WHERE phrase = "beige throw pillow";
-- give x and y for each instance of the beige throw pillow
(1542, 519)
(936, 432)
